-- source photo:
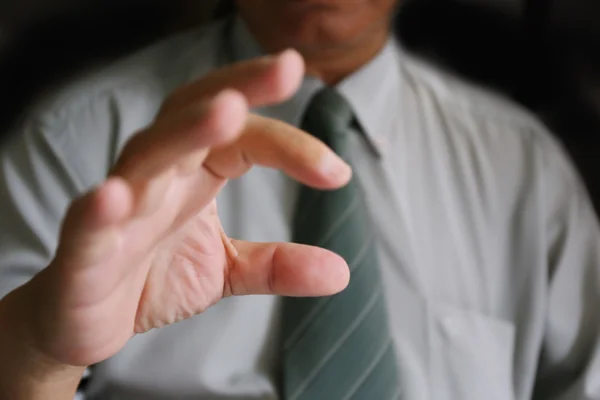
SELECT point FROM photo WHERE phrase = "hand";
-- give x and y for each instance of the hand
(146, 248)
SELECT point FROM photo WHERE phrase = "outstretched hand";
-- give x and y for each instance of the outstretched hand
(146, 248)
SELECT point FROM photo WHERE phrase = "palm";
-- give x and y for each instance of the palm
(167, 266)
(187, 273)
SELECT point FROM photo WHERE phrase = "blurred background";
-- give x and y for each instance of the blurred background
(541, 53)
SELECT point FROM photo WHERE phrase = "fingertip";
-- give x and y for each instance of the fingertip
(335, 170)
(112, 202)
(329, 173)
(90, 231)
(292, 59)
(337, 274)
(230, 98)
(229, 110)
(328, 274)
(309, 271)
(289, 72)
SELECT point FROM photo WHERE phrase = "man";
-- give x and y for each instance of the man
(473, 250)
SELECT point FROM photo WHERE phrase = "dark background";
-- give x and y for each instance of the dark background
(542, 53)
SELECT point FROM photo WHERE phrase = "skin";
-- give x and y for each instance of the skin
(335, 37)
(146, 248)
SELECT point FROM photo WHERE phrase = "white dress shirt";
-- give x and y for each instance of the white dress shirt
(489, 247)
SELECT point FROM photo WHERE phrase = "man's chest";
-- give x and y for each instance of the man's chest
(448, 286)
(454, 280)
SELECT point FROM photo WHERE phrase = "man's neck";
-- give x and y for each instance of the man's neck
(335, 65)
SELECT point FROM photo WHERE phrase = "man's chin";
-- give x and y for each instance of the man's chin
(314, 32)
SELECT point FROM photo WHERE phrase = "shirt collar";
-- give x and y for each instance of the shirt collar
(374, 94)
(373, 91)
(243, 44)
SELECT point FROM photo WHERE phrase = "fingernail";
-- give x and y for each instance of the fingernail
(334, 167)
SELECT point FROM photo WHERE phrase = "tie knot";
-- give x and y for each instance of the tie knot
(328, 115)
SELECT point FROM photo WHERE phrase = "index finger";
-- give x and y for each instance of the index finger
(266, 80)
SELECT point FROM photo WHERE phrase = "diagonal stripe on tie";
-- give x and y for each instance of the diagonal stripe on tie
(338, 347)
(314, 311)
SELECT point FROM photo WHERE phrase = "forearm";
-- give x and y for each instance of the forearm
(24, 372)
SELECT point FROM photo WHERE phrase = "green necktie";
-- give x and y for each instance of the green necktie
(338, 347)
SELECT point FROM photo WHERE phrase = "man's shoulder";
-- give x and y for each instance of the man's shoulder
(149, 74)
(498, 128)
(467, 100)
(85, 122)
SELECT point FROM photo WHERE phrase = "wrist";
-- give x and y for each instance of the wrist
(25, 371)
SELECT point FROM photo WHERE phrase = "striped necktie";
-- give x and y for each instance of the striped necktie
(338, 347)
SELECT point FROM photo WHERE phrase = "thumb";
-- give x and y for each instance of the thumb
(90, 230)
(284, 269)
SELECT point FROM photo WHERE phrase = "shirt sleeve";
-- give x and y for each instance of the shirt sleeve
(44, 165)
(36, 185)
(569, 365)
